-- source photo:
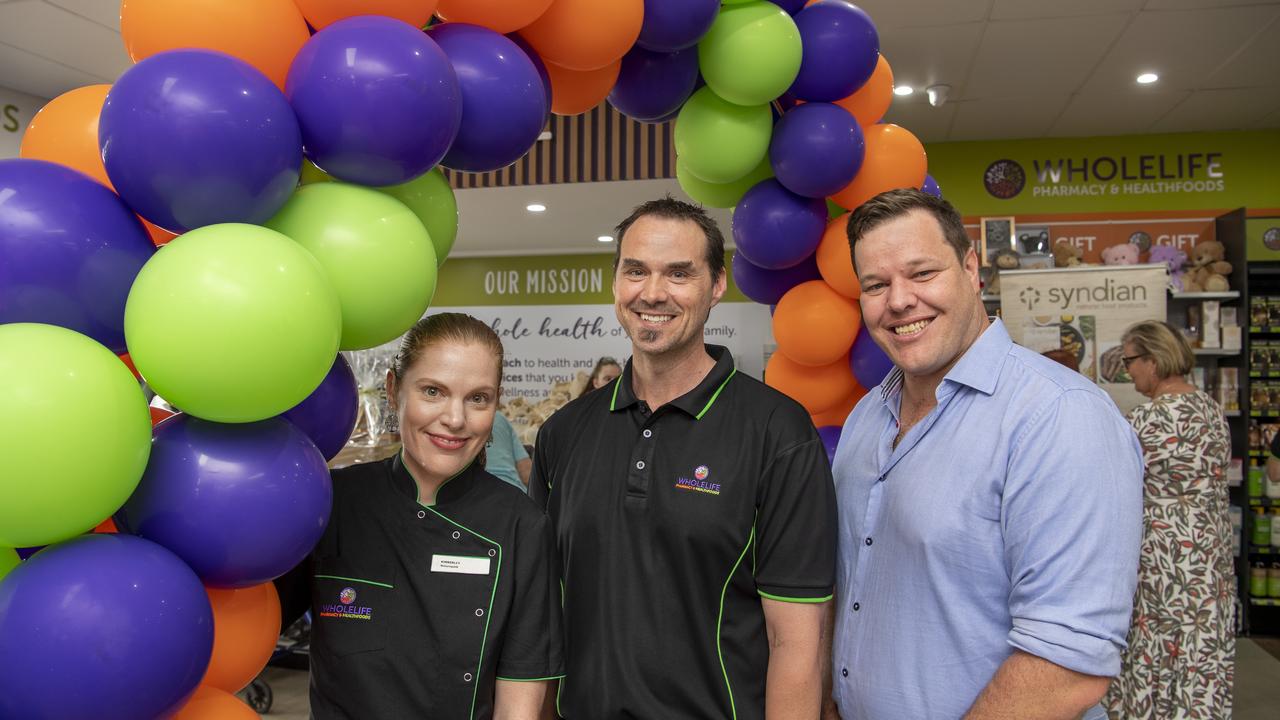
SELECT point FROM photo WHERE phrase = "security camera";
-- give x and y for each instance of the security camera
(938, 94)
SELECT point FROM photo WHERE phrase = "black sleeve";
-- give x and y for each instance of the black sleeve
(294, 588)
(533, 645)
(796, 548)
(540, 476)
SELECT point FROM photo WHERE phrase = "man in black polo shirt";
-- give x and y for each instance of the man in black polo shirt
(693, 508)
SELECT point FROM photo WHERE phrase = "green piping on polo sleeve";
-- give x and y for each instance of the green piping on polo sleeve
(733, 709)
(780, 598)
(716, 394)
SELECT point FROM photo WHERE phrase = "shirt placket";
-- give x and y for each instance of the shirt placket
(640, 464)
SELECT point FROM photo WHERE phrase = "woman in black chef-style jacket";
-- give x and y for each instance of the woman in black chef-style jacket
(434, 588)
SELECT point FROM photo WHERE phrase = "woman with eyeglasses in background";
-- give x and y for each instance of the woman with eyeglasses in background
(1181, 654)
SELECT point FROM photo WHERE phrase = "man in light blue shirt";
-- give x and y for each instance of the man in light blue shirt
(990, 500)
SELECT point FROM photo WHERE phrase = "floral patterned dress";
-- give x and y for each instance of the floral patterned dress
(1181, 656)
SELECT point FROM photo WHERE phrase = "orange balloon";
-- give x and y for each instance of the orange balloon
(264, 33)
(210, 703)
(815, 325)
(246, 623)
(65, 131)
(159, 415)
(106, 527)
(816, 388)
(574, 92)
(323, 13)
(502, 16)
(894, 159)
(835, 259)
(838, 414)
(585, 34)
(159, 235)
(871, 101)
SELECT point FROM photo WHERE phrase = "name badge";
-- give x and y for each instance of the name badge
(460, 564)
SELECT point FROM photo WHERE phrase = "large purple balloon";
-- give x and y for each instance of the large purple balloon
(816, 149)
(931, 186)
(378, 100)
(652, 85)
(830, 435)
(841, 48)
(671, 25)
(241, 504)
(504, 103)
(540, 66)
(195, 137)
(69, 251)
(328, 415)
(110, 627)
(791, 6)
(868, 362)
(768, 286)
(775, 228)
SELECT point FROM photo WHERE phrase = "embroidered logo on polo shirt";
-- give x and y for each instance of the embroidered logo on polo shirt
(347, 596)
(346, 610)
(699, 483)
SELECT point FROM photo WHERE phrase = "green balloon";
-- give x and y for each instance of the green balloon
(721, 195)
(8, 560)
(233, 323)
(752, 53)
(375, 252)
(75, 434)
(430, 197)
(720, 142)
(834, 210)
(312, 174)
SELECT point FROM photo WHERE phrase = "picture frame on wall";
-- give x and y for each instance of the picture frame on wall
(997, 234)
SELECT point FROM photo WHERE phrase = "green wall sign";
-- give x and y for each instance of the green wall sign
(1191, 171)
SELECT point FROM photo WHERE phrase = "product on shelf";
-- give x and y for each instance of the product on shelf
(1258, 580)
(1261, 535)
(1273, 580)
(1258, 312)
(1254, 482)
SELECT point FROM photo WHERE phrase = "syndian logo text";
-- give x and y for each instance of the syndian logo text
(347, 596)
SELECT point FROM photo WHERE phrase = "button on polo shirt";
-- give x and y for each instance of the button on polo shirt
(418, 609)
(672, 525)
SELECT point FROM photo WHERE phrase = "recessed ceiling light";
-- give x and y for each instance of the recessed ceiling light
(536, 207)
(604, 238)
(1147, 78)
(903, 89)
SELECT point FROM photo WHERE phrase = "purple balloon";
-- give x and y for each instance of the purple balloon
(537, 64)
(841, 48)
(328, 415)
(931, 186)
(103, 626)
(195, 137)
(869, 363)
(69, 250)
(652, 85)
(671, 25)
(830, 435)
(241, 504)
(775, 228)
(25, 553)
(816, 149)
(768, 286)
(791, 6)
(504, 103)
(377, 99)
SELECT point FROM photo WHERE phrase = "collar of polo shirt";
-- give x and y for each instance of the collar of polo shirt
(697, 401)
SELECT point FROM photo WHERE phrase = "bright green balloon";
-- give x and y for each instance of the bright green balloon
(720, 142)
(752, 53)
(233, 323)
(375, 252)
(75, 434)
(429, 196)
(8, 560)
(721, 195)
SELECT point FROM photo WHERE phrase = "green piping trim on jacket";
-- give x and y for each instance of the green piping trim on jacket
(359, 580)
(417, 490)
(733, 709)
(542, 679)
(780, 598)
(613, 404)
(488, 613)
(716, 394)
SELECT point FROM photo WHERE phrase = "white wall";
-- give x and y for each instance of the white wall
(16, 111)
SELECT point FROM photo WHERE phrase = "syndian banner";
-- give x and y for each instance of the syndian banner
(1110, 174)
(1085, 310)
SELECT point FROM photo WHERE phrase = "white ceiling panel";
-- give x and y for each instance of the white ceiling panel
(1115, 113)
(1184, 47)
(913, 13)
(1197, 4)
(921, 57)
(928, 123)
(1233, 109)
(1010, 117)
(1024, 57)
(34, 75)
(1027, 9)
(63, 37)
(103, 12)
(1257, 63)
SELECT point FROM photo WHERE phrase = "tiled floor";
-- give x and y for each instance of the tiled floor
(1257, 686)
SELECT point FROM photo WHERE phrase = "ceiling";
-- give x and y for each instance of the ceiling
(1016, 69)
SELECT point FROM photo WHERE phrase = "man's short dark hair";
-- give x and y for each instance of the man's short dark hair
(670, 208)
(894, 204)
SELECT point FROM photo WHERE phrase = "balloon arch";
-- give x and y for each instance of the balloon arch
(286, 155)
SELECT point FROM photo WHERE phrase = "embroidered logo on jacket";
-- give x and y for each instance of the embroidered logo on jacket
(699, 483)
(345, 610)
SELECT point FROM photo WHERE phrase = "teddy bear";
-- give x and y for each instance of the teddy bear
(1123, 254)
(1174, 259)
(1066, 254)
(1005, 259)
(1207, 268)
